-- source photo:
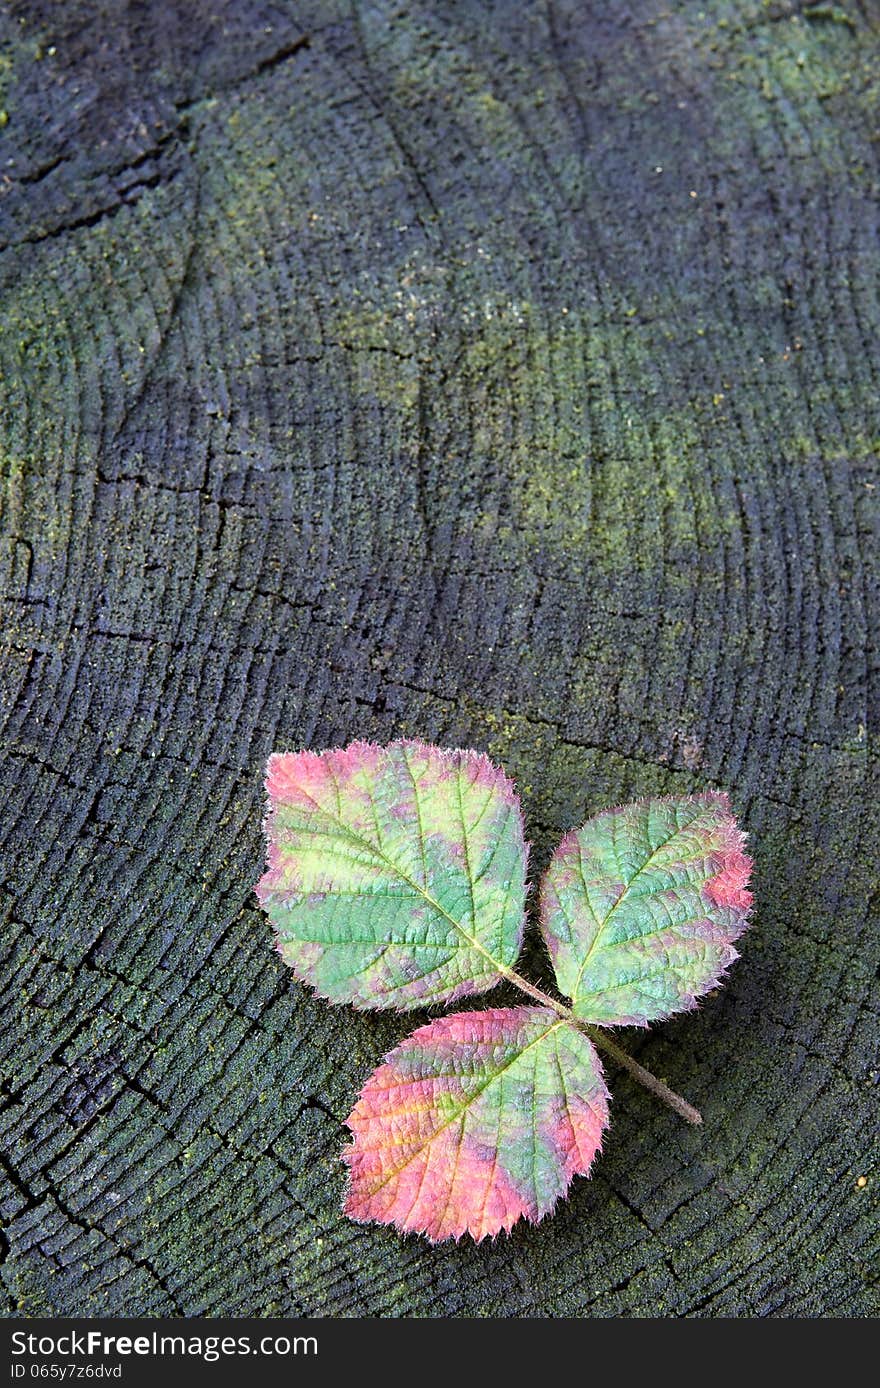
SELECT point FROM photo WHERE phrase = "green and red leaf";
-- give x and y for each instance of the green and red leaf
(396, 878)
(640, 907)
(475, 1121)
(396, 875)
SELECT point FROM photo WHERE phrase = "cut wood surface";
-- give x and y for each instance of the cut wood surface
(499, 375)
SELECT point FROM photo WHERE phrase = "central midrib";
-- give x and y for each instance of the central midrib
(472, 1098)
(623, 895)
(405, 877)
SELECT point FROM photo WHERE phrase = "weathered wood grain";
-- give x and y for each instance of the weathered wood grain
(497, 374)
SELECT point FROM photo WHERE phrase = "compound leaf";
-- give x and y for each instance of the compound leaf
(640, 907)
(475, 1120)
(396, 875)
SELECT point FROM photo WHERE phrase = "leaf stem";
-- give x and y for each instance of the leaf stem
(603, 1041)
(638, 1072)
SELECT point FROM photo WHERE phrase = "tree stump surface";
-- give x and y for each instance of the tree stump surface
(499, 375)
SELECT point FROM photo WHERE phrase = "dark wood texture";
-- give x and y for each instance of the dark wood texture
(499, 374)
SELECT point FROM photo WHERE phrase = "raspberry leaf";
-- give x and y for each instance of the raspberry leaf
(475, 1120)
(396, 878)
(640, 907)
(396, 875)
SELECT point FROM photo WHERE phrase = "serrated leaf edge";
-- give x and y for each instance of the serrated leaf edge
(464, 989)
(690, 1001)
(558, 1023)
